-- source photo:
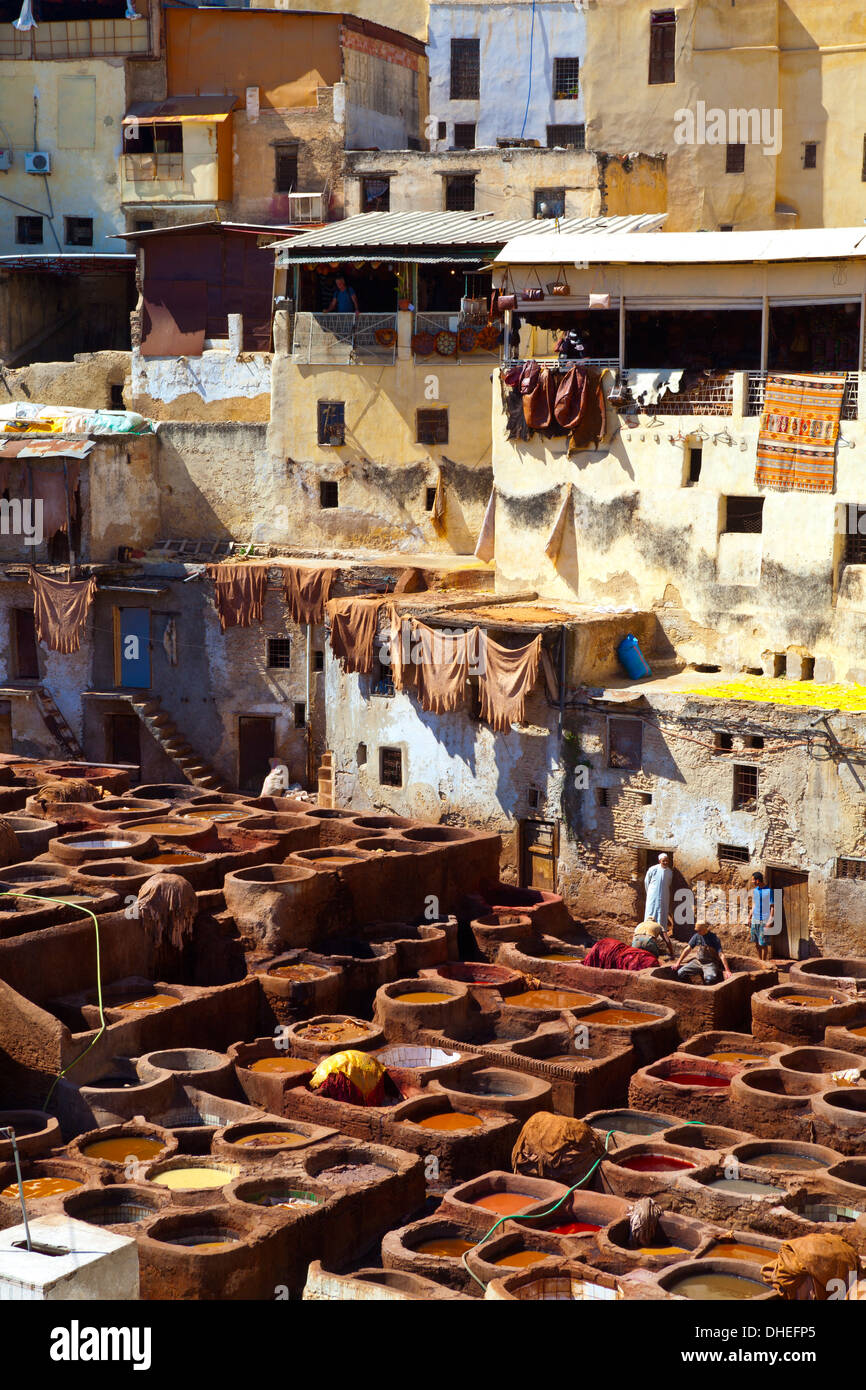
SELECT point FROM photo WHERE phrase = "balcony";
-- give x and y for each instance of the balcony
(79, 38)
(454, 337)
(344, 339)
(150, 168)
(758, 382)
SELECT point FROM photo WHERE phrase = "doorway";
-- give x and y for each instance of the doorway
(132, 648)
(539, 847)
(25, 651)
(793, 942)
(255, 749)
(123, 739)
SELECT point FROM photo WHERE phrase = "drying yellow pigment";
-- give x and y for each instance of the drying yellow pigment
(194, 1179)
(773, 691)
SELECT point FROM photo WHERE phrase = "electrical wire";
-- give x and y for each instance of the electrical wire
(529, 90)
(37, 898)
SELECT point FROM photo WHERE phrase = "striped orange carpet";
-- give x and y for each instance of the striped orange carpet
(799, 429)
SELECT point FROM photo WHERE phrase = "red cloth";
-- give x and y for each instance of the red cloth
(610, 954)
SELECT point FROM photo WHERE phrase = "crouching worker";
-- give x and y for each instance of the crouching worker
(702, 959)
(649, 936)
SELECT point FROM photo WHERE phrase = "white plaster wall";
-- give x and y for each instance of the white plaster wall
(504, 34)
(215, 376)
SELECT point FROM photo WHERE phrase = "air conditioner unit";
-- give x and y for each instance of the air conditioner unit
(5, 161)
(37, 162)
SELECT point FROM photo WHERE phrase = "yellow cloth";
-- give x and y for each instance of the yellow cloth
(362, 1070)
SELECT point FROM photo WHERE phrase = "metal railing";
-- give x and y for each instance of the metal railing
(711, 396)
(309, 207)
(149, 168)
(319, 339)
(600, 362)
(463, 336)
(77, 38)
(758, 385)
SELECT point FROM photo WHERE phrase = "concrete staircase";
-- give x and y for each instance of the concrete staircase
(326, 781)
(56, 723)
(172, 742)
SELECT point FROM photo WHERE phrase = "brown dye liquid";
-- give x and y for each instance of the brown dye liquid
(161, 827)
(298, 972)
(335, 861)
(549, 999)
(809, 1001)
(736, 1250)
(735, 1057)
(174, 857)
(861, 1032)
(334, 1032)
(286, 1065)
(617, 1016)
(562, 955)
(271, 1139)
(717, 1287)
(791, 1163)
(40, 1187)
(119, 1150)
(449, 1119)
(505, 1203)
(447, 1248)
(421, 996)
(148, 1004)
(200, 1245)
(519, 1259)
(698, 1078)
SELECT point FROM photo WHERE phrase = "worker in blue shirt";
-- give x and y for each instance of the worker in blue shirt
(345, 301)
(763, 916)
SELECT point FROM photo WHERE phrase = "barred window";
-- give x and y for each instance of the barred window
(460, 193)
(851, 868)
(567, 136)
(855, 533)
(464, 135)
(735, 159)
(285, 168)
(78, 231)
(390, 767)
(733, 854)
(376, 195)
(331, 420)
(625, 743)
(329, 495)
(744, 514)
(279, 653)
(566, 72)
(465, 69)
(745, 788)
(549, 202)
(432, 428)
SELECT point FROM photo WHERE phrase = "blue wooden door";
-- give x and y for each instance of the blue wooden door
(134, 648)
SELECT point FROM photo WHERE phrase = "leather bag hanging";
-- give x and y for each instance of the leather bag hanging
(503, 299)
(560, 285)
(531, 295)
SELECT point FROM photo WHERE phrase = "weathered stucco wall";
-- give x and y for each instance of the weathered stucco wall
(218, 385)
(85, 381)
(318, 130)
(409, 16)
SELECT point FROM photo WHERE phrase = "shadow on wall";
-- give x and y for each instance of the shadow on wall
(207, 479)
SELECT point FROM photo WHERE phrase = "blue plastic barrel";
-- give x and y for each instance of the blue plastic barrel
(632, 658)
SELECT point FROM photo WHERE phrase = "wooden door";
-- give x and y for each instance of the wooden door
(124, 739)
(132, 648)
(539, 849)
(794, 938)
(255, 748)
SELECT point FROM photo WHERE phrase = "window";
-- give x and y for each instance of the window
(601, 796)
(565, 76)
(744, 514)
(429, 499)
(566, 136)
(464, 135)
(533, 798)
(442, 130)
(722, 742)
(285, 168)
(863, 168)
(382, 679)
(432, 428)
(28, 231)
(745, 788)
(25, 652)
(460, 193)
(376, 195)
(625, 742)
(695, 462)
(735, 159)
(162, 137)
(465, 69)
(733, 854)
(142, 224)
(300, 714)
(851, 868)
(663, 41)
(329, 495)
(318, 661)
(279, 653)
(116, 395)
(810, 155)
(390, 767)
(549, 202)
(855, 534)
(331, 423)
(78, 231)
(726, 227)
(753, 741)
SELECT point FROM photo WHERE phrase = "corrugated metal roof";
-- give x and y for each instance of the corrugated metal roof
(45, 449)
(381, 229)
(688, 248)
(212, 225)
(194, 108)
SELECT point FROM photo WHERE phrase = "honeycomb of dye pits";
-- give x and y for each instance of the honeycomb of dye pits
(482, 1200)
(265, 1072)
(276, 906)
(106, 842)
(737, 1049)
(36, 1132)
(676, 1238)
(325, 1034)
(299, 981)
(839, 1117)
(799, 1014)
(846, 973)
(366, 966)
(192, 1066)
(193, 1180)
(267, 1138)
(46, 1181)
(118, 1207)
(123, 1151)
(420, 946)
(561, 1282)
(496, 1088)
(477, 975)
(433, 1248)
(624, 1126)
(218, 1252)
(403, 1007)
(692, 1087)
(463, 1141)
(775, 1104)
(379, 1187)
(709, 1139)
(785, 1156)
(714, 1281)
(509, 1248)
(647, 1168)
(833, 1066)
(494, 929)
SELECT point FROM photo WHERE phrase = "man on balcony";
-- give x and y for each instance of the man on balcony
(345, 301)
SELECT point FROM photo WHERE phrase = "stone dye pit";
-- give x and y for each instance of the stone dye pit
(173, 1100)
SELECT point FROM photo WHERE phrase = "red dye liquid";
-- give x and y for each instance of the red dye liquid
(575, 1228)
(698, 1078)
(655, 1163)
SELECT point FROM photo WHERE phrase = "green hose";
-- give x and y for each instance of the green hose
(37, 898)
(536, 1216)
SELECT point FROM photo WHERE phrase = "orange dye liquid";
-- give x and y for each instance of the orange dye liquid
(149, 1004)
(737, 1250)
(271, 1139)
(287, 1066)
(736, 1057)
(505, 1203)
(298, 972)
(449, 1119)
(40, 1187)
(447, 1248)
(809, 1001)
(421, 996)
(119, 1150)
(519, 1259)
(617, 1016)
(549, 999)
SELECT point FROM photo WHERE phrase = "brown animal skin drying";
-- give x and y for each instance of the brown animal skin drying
(556, 1147)
(168, 907)
(812, 1268)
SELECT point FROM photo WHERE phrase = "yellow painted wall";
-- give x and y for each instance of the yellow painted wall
(288, 57)
(409, 16)
(205, 174)
(79, 112)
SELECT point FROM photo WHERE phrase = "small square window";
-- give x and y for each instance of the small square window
(735, 159)
(726, 227)
(732, 854)
(279, 653)
(432, 428)
(855, 533)
(566, 137)
(28, 231)
(382, 679)
(78, 231)
(625, 743)
(142, 224)
(722, 742)
(285, 168)
(602, 796)
(318, 661)
(745, 788)
(300, 714)
(376, 195)
(744, 514)
(851, 868)
(329, 495)
(533, 797)
(548, 202)
(753, 741)
(566, 72)
(465, 69)
(390, 767)
(331, 420)
(460, 193)
(810, 155)
(464, 135)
